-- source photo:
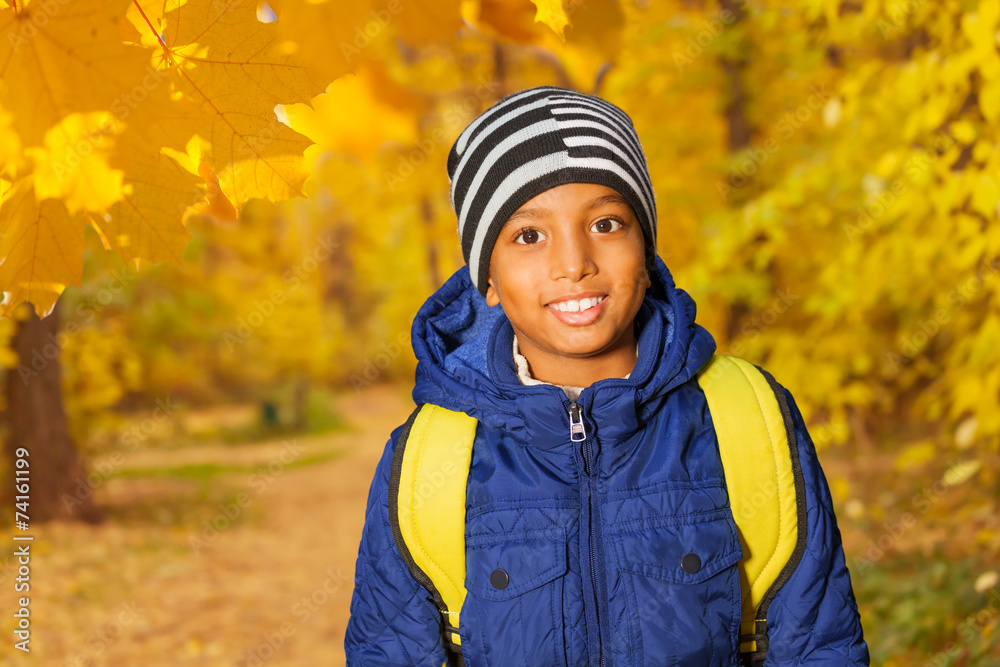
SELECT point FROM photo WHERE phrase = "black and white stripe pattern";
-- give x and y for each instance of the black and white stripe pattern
(533, 140)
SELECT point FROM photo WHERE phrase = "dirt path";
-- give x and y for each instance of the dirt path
(273, 586)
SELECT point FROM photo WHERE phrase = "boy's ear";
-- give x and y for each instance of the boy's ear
(492, 296)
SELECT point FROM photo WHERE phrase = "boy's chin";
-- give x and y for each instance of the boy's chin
(583, 347)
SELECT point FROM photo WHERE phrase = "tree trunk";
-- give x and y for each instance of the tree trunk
(37, 418)
(299, 400)
(739, 131)
(427, 215)
(736, 113)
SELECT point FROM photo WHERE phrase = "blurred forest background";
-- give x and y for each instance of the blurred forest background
(228, 214)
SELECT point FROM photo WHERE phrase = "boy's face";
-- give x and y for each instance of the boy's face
(572, 241)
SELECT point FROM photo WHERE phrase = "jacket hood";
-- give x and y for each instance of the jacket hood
(465, 362)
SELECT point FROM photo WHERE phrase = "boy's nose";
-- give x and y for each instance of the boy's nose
(572, 256)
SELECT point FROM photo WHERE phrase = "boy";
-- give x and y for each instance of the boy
(595, 463)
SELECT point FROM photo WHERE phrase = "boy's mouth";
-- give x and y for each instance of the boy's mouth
(580, 310)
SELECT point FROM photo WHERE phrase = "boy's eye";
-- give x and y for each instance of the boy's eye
(530, 235)
(608, 222)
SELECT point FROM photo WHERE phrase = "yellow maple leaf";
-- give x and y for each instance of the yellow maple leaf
(42, 247)
(11, 155)
(57, 58)
(147, 222)
(593, 39)
(351, 116)
(73, 164)
(332, 37)
(504, 20)
(228, 74)
(552, 14)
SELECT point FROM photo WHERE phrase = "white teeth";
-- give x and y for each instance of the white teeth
(577, 306)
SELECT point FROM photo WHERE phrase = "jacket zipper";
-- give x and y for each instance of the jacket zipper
(578, 433)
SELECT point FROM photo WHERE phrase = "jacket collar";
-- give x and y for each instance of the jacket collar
(465, 362)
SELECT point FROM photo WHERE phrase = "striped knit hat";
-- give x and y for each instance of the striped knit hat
(533, 140)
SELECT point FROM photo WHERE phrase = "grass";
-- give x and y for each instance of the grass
(275, 419)
(208, 471)
(233, 424)
(922, 611)
(189, 494)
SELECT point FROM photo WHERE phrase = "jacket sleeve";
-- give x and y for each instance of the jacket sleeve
(393, 620)
(814, 619)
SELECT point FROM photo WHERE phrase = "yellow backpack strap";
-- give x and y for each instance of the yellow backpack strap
(427, 482)
(765, 484)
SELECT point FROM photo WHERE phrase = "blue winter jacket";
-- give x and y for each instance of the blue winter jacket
(589, 532)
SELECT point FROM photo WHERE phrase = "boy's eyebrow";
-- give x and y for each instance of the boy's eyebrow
(592, 204)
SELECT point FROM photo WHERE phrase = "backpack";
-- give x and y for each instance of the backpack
(759, 456)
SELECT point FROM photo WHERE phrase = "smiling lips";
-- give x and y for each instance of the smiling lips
(578, 312)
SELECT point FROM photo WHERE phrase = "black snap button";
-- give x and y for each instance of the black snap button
(691, 563)
(499, 578)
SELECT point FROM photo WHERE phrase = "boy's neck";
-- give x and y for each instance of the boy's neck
(615, 362)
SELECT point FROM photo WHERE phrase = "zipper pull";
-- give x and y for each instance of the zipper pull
(576, 423)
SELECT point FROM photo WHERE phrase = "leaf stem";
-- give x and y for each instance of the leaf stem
(146, 18)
